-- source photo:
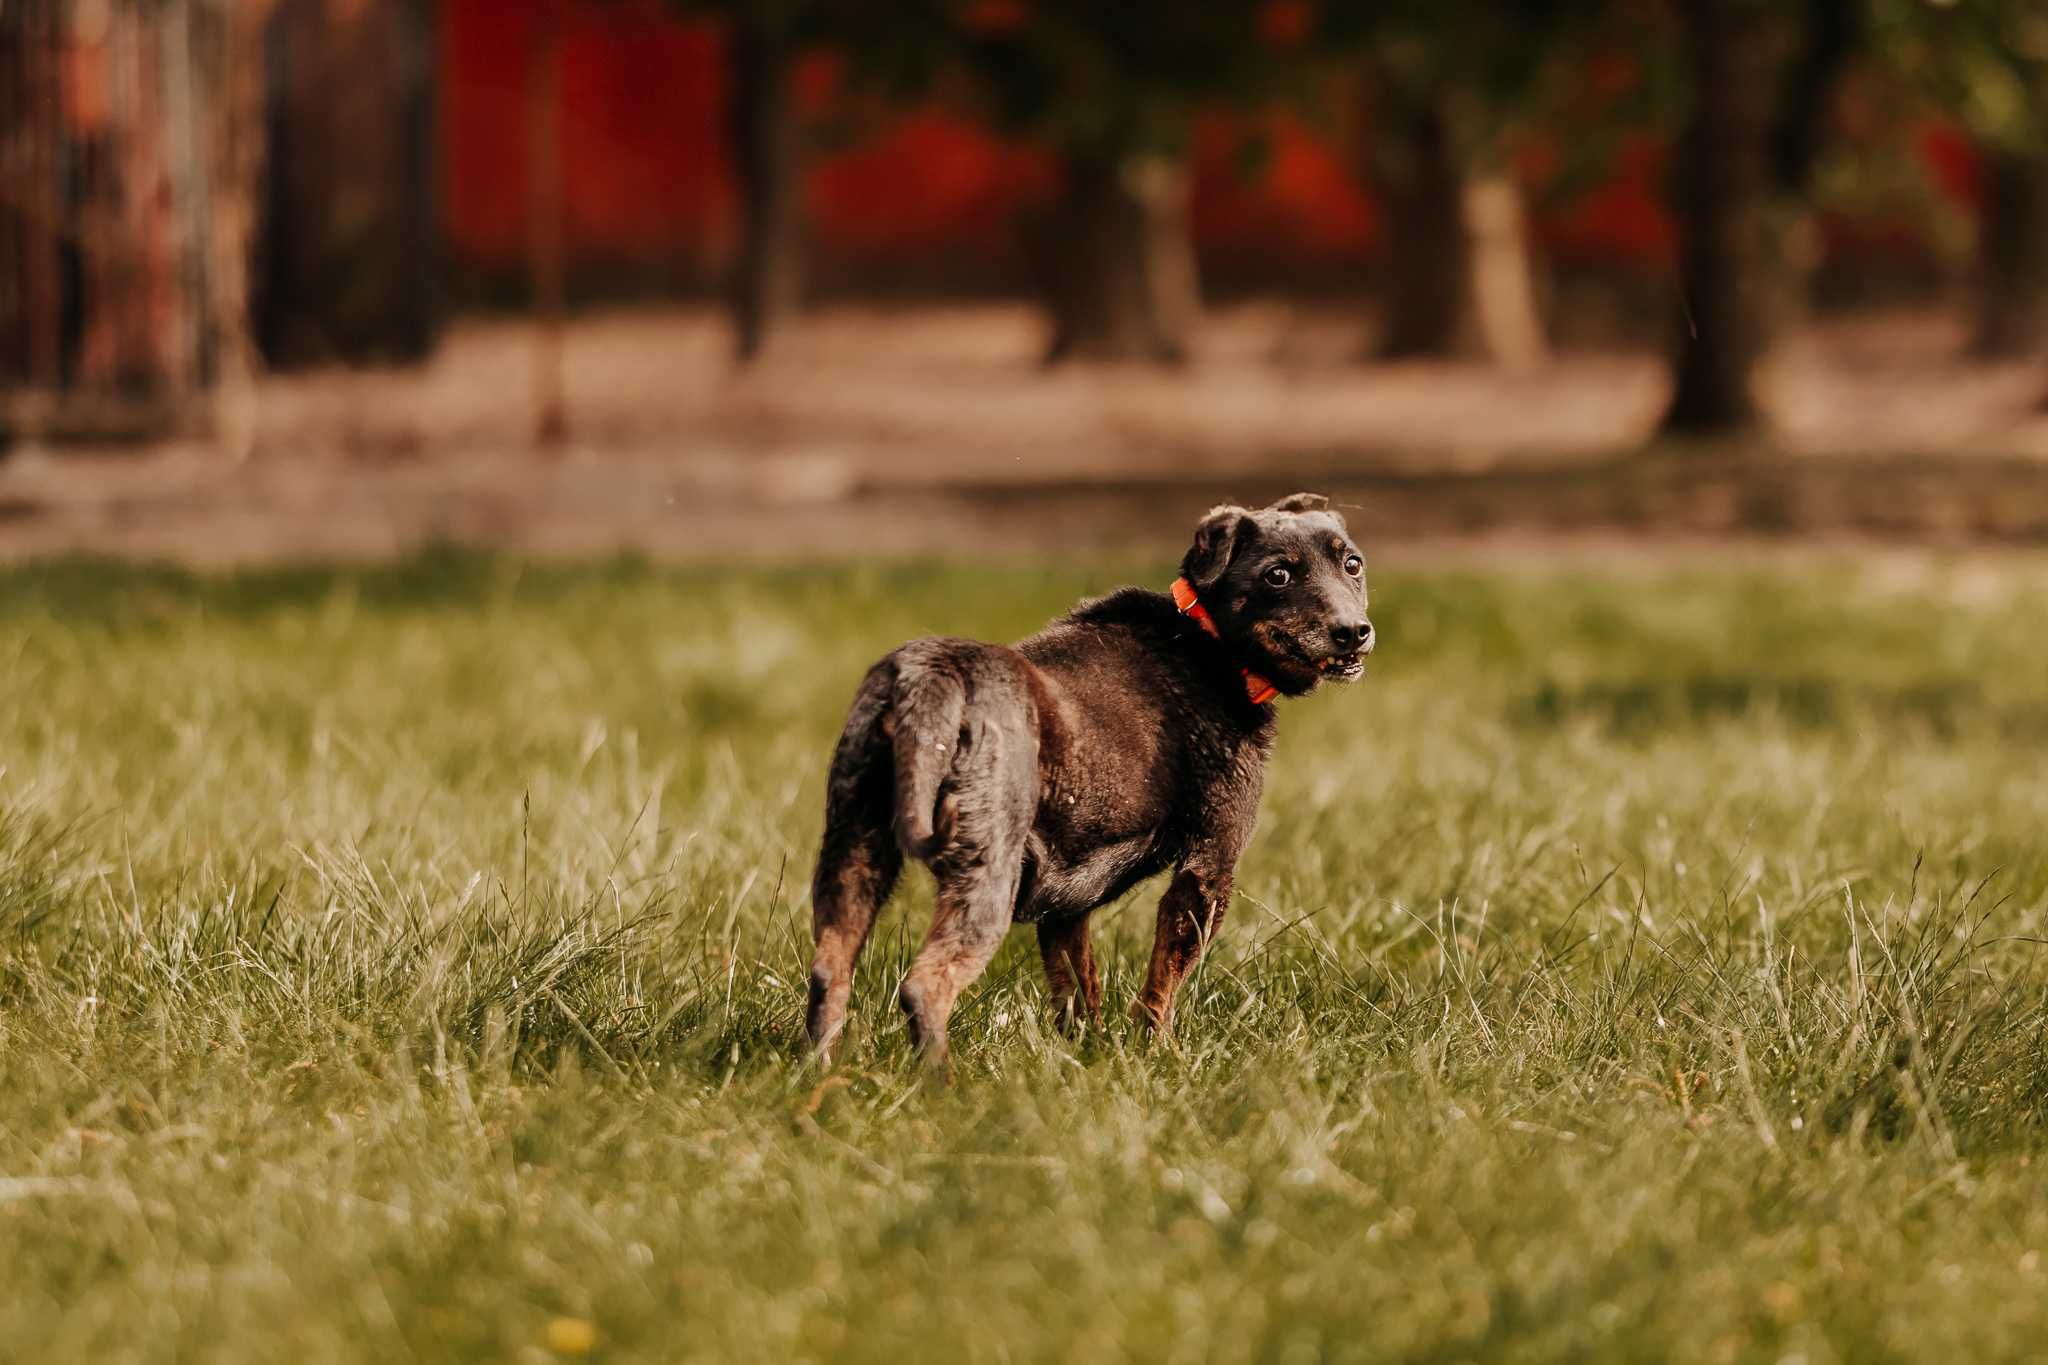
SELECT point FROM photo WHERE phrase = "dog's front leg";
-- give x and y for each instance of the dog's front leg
(1070, 973)
(1189, 915)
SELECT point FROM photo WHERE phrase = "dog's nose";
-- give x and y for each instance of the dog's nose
(1352, 636)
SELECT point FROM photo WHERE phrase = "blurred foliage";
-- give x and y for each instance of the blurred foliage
(1121, 79)
(1075, 70)
(1492, 64)
(1590, 72)
(1984, 62)
(1553, 90)
(1559, 85)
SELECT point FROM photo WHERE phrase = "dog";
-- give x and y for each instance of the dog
(1041, 781)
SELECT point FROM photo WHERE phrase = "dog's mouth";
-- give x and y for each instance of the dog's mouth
(1302, 666)
(1342, 667)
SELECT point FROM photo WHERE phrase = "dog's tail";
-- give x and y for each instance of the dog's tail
(929, 704)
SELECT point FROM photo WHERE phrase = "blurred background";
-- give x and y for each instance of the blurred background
(762, 277)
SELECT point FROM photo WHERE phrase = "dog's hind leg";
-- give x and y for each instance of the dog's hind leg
(993, 794)
(973, 914)
(858, 862)
(1070, 972)
(855, 875)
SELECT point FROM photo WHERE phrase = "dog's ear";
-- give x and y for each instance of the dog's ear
(1216, 541)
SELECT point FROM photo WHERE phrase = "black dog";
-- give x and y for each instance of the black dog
(1042, 781)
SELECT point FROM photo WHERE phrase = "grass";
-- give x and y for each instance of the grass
(405, 964)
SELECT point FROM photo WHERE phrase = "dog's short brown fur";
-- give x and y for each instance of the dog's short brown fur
(1041, 781)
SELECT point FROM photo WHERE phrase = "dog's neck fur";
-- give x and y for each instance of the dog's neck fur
(1258, 689)
(1204, 689)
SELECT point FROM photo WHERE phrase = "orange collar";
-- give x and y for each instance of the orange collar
(1257, 688)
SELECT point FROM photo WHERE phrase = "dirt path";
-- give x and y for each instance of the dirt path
(933, 431)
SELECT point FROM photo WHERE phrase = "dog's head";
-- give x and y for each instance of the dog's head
(1286, 588)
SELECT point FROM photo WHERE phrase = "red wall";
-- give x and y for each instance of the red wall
(646, 178)
(643, 173)
(647, 182)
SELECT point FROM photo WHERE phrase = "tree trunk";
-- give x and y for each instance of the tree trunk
(547, 267)
(1503, 282)
(768, 275)
(349, 240)
(1831, 34)
(31, 211)
(1426, 251)
(419, 170)
(1117, 263)
(122, 225)
(236, 149)
(1456, 273)
(2012, 258)
(1722, 180)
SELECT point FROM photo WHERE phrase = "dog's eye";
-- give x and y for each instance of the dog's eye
(1353, 565)
(1278, 576)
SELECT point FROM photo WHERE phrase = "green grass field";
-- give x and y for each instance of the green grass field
(406, 964)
